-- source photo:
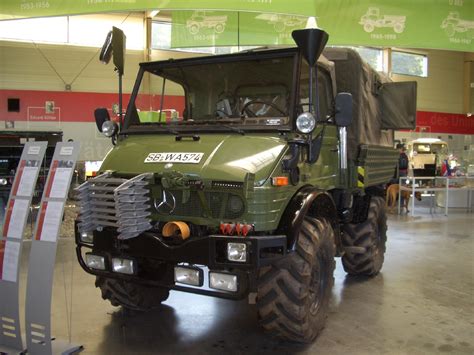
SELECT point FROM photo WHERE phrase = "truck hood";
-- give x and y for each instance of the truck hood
(224, 157)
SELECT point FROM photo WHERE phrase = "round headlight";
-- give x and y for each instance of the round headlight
(305, 123)
(109, 128)
(3, 181)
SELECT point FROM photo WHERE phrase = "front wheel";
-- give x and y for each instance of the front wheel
(294, 293)
(364, 243)
(129, 295)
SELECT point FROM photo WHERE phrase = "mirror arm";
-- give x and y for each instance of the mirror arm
(314, 147)
(292, 162)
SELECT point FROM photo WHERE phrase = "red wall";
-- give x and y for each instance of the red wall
(80, 106)
(438, 122)
(69, 106)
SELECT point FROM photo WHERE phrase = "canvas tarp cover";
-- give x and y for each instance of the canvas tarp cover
(355, 76)
(398, 105)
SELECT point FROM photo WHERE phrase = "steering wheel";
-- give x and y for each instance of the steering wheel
(250, 113)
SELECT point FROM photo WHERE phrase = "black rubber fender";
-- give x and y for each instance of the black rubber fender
(311, 201)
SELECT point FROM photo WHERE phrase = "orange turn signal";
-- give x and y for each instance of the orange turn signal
(280, 181)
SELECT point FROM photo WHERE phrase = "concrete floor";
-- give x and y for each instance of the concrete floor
(421, 303)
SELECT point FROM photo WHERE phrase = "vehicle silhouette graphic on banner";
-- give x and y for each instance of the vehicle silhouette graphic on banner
(201, 19)
(453, 24)
(373, 19)
(285, 22)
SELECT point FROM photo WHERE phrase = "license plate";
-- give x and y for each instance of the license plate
(186, 158)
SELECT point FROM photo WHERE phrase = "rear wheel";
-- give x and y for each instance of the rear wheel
(364, 243)
(293, 294)
(130, 295)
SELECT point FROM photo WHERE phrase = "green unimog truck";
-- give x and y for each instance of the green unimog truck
(244, 176)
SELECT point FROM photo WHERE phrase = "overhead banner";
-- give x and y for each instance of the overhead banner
(10, 9)
(435, 24)
(200, 28)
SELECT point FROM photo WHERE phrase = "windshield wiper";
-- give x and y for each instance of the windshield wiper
(218, 123)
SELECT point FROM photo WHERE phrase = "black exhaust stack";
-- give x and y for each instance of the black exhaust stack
(311, 42)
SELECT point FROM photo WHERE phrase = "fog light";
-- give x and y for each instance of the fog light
(123, 266)
(96, 262)
(224, 282)
(87, 237)
(188, 276)
(237, 252)
(3, 181)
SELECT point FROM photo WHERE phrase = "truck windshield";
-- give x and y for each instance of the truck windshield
(430, 148)
(255, 92)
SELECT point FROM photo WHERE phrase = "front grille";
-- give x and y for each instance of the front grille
(227, 184)
(107, 201)
(216, 202)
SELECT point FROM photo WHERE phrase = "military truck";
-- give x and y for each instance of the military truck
(275, 166)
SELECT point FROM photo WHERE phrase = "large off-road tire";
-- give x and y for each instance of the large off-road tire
(293, 294)
(130, 295)
(364, 243)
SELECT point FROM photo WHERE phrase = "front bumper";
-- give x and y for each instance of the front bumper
(205, 252)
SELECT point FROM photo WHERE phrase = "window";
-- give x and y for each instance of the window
(240, 91)
(49, 30)
(324, 92)
(81, 30)
(409, 64)
(373, 56)
(160, 35)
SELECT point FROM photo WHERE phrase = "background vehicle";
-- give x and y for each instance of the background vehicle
(373, 19)
(453, 23)
(261, 182)
(426, 155)
(200, 19)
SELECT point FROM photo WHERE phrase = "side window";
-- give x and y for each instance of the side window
(324, 91)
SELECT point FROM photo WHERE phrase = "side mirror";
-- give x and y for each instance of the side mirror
(101, 115)
(344, 109)
(114, 46)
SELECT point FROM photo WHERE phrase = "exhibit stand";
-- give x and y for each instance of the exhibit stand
(43, 255)
(445, 191)
(16, 215)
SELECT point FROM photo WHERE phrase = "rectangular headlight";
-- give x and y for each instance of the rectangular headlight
(123, 266)
(188, 276)
(223, 282)
(87, 237)
(237, 252)
(96, 262)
